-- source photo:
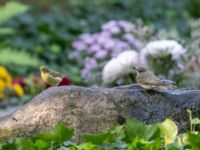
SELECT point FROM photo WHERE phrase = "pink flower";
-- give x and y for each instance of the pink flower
(65, 81)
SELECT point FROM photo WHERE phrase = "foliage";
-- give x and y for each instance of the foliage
(170, 15)
(11, 9)
(132, 135)
(46, 37)
(8, 56)
(192, 59)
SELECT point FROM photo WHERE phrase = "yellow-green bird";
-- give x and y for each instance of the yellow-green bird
(50, 76)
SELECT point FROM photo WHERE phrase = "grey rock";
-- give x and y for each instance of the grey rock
(90, 110)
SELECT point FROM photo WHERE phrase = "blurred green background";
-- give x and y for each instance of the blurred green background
(43, 32)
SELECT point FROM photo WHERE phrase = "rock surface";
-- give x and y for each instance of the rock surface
(90, 110)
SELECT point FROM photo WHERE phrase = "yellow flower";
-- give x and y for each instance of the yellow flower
(4, 75)
(2, 85)
(3, 72)
(1, 95)
(18, 89)
(170, 131)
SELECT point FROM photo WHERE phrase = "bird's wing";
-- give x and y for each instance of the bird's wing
(56, 74)
(148, 78)
(53, 80)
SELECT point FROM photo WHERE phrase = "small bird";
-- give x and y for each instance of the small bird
(52, 77)
(148, 80)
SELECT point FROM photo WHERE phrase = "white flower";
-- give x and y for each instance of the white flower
(120, 66)
(164, 47)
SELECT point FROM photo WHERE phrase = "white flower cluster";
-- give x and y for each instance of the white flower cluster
(164, 47)
(119, 66)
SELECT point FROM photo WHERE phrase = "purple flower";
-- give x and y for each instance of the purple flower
(102, 38)
(112, 27)
(105, 34)
(129, 37)
(127, 26)
(109, 25)
(94, 48)
(88, 38)
(122, 45)
(90, 63)
(137, 44)
(79, 46)
(109, 44)
(101, 54)
(114, 30)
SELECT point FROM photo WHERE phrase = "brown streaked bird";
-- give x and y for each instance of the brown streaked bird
(148, 80)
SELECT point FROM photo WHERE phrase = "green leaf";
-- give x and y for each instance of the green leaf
(172, 147)
(59, 134)
(9, 56)
(11, 9)
(87, 146)
(141, 144)
(62, 133)
(116, 134)
(8, 146)
(194, 139)
(151, 132)
(6, 31)
(24, 144)
(45, 136)
(42, 145)
(96, 139)
(195, 121)
(134, 128)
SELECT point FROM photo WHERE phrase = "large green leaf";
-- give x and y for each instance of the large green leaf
(87, 146)
(194, 139)
(96, 139)
(134, 128)
(6, 31)
(8, 56)
(11, 9)
(24, 144)
(59, 134)
(141, 144)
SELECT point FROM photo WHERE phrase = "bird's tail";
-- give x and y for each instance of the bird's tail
(169, 82)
